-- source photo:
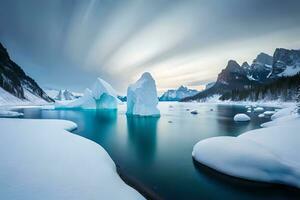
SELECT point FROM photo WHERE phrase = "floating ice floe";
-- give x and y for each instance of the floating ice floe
(258, 109)
(269, 112)
(268, 154)
(142, 97)
(261, 115)
(8, 113)
(241, 117)
(100, 96)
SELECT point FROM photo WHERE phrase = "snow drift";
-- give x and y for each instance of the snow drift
(101, 96)
(41, 160)
(268, 154)
(142, 97)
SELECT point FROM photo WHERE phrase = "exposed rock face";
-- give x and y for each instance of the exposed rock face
(264, 70)
(261, 67)
(176, 95)
(209, 85)
(286, 63)
(233, 76)
(14, 80)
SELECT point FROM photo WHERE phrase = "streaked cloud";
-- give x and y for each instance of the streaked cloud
(68, 43)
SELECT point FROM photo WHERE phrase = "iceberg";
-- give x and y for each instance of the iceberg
(241, 117)
(101, 96)
(142, 97)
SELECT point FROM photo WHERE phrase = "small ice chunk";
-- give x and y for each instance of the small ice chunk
(261, 115)
(194, 112)
(258, 109)
(269, 112)
(241, 117)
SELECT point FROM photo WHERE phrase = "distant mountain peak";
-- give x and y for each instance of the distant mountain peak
(264, 70)
(183, 88)
(245, 65)
(178, 94)
(264, 58)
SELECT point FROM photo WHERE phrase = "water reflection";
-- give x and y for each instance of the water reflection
(106, 115)
(142, 136)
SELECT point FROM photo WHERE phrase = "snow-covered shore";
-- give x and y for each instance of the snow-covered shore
(269, 154)
(40, 159)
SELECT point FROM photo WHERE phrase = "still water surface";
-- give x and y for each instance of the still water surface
(154, 154)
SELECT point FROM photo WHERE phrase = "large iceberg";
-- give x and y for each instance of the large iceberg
(101, 96)
(142, 97)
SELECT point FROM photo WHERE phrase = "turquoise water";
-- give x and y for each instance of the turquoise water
(154, 154)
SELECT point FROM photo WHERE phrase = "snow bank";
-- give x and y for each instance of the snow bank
(283, 112)
(40, 160)
(101, 96)
(269, 112)
(241, 117)
(142, 97)
(8, 113)
(7, 99)
(268, 154)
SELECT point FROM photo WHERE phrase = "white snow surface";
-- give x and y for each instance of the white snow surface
(241, 117)
(101, 96)
(269, 154)
(9, 113)
(41, 160)
(269, 112)
(258, 109)
(7, 99)
(142, 97)
(290, 70)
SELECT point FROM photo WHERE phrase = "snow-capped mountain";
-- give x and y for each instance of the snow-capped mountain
(264, 70)
(209, 85)
(65, 95)
(178, 94)
(62, 95)
(15, 83)
(286, 63)
(261, 68)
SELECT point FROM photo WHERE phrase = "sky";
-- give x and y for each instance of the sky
(67, 44)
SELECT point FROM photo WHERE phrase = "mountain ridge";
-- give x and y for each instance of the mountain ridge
(264, 70)
(15, 81)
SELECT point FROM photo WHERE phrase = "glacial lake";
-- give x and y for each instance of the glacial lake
(154, 154)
